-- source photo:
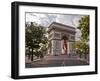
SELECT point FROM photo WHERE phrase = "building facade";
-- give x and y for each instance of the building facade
(61, 38)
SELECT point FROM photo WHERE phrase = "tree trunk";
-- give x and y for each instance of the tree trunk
(85, 56)
(80, 55)
(29, 55)
(32, 55)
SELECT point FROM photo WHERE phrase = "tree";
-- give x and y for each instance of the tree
(82, 48)
(84, 27)
(35, 35)
(83, 44)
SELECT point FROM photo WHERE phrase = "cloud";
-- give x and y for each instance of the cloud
(69, 19)
(45, 19)
(42, 19)
(32, 18)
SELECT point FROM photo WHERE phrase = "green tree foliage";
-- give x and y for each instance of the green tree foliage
(84, 27)
(83, 44)
(82, 48)
(35, 39)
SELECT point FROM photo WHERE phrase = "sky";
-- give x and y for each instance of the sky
(45, 19)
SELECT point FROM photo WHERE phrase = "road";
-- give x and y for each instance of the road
(55, 61)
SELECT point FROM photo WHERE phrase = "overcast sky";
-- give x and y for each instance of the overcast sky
(45, 19)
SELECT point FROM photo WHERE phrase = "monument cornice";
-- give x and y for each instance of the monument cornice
(61, 27)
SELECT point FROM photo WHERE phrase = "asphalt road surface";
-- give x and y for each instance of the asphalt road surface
(55, 61)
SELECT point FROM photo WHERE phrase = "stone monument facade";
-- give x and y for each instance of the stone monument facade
(61, 38)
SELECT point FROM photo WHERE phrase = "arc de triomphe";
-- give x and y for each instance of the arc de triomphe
(61, 38)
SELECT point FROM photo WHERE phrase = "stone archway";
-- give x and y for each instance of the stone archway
(64, 44)
(60, 36)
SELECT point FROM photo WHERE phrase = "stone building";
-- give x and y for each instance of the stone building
(61, 38)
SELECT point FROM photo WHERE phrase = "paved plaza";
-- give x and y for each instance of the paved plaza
(54, 61)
